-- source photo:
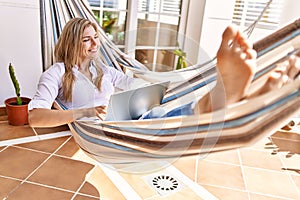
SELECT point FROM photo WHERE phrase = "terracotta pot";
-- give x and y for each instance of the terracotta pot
(17, 114)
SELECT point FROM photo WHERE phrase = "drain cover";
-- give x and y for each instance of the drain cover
(164, 184)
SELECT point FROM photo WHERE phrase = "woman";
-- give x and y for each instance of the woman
(84, 85)
(77, 78)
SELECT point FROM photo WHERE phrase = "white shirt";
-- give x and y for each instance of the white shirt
(85, 93)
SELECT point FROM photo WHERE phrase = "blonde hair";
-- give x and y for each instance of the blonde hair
(68, 50)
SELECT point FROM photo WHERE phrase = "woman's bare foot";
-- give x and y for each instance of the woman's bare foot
(236, 65)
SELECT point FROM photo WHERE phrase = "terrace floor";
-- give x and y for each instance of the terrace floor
(47, 164)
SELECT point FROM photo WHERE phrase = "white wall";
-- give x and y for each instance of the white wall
(217, 17)
(291, 11)
(20, 45)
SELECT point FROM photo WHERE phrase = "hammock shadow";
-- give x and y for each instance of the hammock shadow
(291, 169)
(285, 141)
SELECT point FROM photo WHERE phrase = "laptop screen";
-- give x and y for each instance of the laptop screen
(131, 104)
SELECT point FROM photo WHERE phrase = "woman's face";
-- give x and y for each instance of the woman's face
(90, 43)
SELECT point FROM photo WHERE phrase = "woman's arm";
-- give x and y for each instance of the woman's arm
(42, 117)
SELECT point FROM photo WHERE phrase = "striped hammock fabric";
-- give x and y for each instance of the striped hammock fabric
(125, 142)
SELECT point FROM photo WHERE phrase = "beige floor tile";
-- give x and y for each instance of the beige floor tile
(83, 197)
(8, 132)
(223, 175)
(291, 164)
(185, 193)
(48, 146)
(62, 173)
(226, 194)
(296, 180)
(102, 183)
(270, 183)
(68, 149)
(264, 197)
(187, 166)
(36, 192)
(82, 156)
(72, 150)
(19, 163)
(137, 182)
(260, 159)
(230, 156)
(88, 188)
(6, 186)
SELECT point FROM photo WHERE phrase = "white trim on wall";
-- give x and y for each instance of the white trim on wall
(130, 38)
(193, 29)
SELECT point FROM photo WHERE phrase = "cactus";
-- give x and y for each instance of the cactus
(181, 61)
(15, 82)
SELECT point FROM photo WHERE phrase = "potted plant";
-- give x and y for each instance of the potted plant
(181, 61)
(16, 107)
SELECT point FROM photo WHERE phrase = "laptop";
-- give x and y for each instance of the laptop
(131, 104)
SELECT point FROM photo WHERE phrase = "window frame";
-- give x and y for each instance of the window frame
(131, 26)
(247, 11)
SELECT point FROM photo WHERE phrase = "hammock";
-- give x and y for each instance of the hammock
(126, 142)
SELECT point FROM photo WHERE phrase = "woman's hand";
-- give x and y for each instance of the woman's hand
(101, 112)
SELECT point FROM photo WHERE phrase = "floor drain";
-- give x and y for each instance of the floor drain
(164, 184)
